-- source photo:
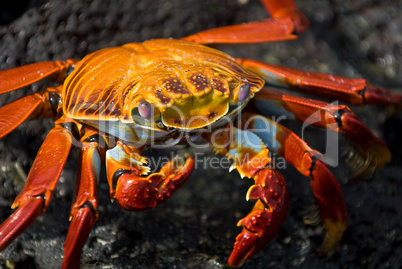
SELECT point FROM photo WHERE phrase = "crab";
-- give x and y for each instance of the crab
(116, 102)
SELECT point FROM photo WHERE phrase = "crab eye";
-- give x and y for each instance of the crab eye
(244, 91)
(70, 69)
(145, 110)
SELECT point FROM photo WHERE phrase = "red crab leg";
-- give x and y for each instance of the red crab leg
(307, 161)
(19, 77)
(34, 198)
(25, 108)
(250, 157)
(84, 211)
(354, 91)
(338, 118)
(286, 21)
(135, 192)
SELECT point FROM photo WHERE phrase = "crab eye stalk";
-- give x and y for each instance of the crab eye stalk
(70, 69)
(145, 110)
(244, 91)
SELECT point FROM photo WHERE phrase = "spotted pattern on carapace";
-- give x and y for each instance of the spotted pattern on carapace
(199, 81)
(212, 115)
(111, 82)
(174, 85)
(220, 85)
(162, 98)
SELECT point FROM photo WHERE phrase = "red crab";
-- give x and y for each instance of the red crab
(117, 101)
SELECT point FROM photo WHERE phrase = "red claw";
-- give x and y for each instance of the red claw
(263, 223)
(139, 193)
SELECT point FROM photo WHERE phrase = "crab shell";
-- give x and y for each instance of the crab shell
(189, 86)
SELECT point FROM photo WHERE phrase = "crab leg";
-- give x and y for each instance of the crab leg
(22, 76)
(42, 178)
(353, 91)
(132, 191)
(251, 158)
(337, 118)
(286, 21)
(84, 211)
(307, 161)
(28, 107)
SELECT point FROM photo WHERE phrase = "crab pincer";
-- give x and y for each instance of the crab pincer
(262, 224)
(139, 193)
(132, 191)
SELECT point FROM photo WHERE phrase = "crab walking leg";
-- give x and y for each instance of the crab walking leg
(251, 158)
(307, 161)
(131, 190)
(32, 106)
(84, 211)
(354, 91)
(22, 76)
(286, 21)
(338, 118)
(34, 198)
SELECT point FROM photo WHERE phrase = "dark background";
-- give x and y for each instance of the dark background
(196, 228)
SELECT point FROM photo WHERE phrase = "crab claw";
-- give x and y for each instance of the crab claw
(262, 224)
(134, 192)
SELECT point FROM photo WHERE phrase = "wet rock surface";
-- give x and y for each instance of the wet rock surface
(196, 228)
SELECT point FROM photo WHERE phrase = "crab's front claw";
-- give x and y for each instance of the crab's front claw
(134, 192)
(262, 224)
